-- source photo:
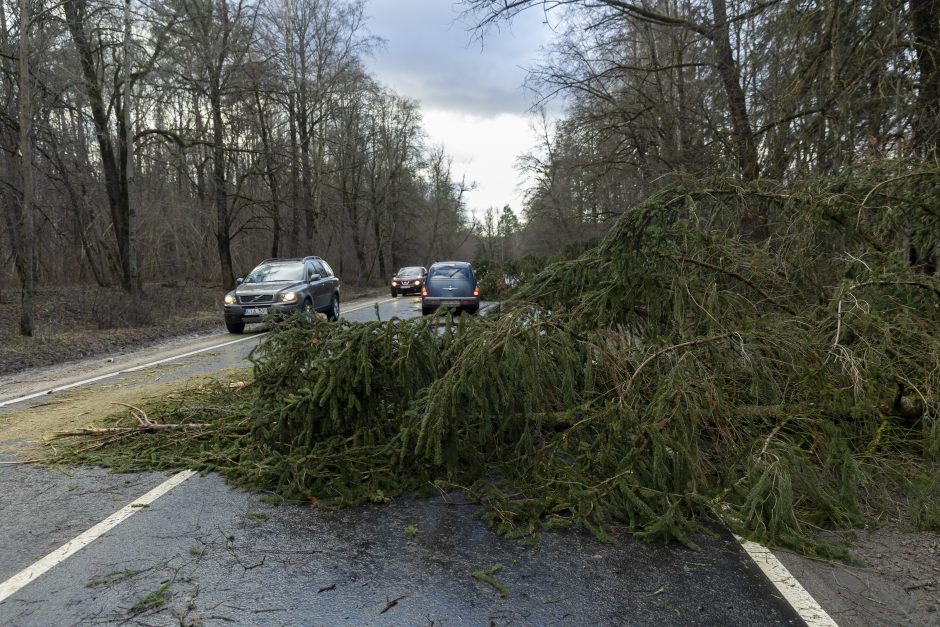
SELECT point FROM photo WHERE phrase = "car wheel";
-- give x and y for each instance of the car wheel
(235, 327)
(394, 293)
(425, 311)
(307, 308)
(333, 314)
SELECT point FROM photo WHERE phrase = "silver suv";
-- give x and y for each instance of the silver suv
(282, 287)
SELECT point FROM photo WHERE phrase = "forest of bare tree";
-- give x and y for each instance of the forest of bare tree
(773, 89)
(183, 140)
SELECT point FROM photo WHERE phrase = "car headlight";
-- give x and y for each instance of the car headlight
(287, 297)
(230, 298)
(394, 283)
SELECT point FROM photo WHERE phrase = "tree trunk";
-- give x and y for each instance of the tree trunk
(742, 134)
(303, 127)
(753, 218)
(293, 244)
(26, 256)
(925, 24)
(114, 169)
(223, 219)
(130, 179)
(272, 180)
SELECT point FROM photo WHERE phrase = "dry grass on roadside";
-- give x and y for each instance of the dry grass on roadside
(75, 322)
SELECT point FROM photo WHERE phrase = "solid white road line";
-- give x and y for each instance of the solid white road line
(110, 375)
(14, 583)
(791, 589)
(367, 305)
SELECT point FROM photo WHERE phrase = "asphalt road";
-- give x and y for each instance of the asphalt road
(204, 553)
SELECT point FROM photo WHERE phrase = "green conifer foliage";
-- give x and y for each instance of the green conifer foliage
(677, 372)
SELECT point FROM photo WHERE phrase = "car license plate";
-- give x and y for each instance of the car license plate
(450, 303)
(255, 311)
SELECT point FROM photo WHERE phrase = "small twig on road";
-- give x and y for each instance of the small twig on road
(138, 413)
(392, 604)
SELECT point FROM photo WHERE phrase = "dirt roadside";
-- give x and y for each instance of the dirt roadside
(24, 433)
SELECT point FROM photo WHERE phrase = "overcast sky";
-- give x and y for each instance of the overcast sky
(471, 94)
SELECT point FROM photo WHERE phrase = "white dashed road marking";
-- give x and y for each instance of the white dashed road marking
(17, 581)
(35, 570)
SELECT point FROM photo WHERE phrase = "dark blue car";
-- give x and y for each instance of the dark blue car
(450, 285)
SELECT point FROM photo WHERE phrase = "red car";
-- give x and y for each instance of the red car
(409, 280)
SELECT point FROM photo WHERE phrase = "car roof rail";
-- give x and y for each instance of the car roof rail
(274, 259)
(277, 259)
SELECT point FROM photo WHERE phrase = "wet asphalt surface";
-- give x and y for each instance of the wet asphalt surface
(209, 554)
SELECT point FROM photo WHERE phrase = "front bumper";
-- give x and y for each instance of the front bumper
(407, 289)
(256, 313)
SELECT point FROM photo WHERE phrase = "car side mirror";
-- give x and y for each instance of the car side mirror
(239, 281)
(315, 277)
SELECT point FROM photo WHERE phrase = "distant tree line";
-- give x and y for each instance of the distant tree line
(777, 89)
(184, 140)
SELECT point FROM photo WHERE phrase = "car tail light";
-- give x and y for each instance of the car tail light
(476, 290)
(424, 291)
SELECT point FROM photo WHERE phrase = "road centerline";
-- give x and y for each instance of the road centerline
(36, 569)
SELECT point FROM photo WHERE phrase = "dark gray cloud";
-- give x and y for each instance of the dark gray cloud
(433, 55)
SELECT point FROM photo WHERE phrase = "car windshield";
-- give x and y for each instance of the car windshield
(450, 272)
(273, 272)
(410, 272)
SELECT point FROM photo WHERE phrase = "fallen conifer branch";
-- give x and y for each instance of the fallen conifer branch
(583, 402)
(151, 426)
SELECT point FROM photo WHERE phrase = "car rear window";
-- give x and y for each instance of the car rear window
(450, 272)
(271, 272)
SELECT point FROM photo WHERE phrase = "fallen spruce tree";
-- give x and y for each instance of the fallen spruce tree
(782, 383)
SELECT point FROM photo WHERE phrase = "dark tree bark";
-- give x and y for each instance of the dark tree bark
(26, 257)
(114, 166)
(742, 133)
(271, 176)
(223, 216)
(925, 24)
